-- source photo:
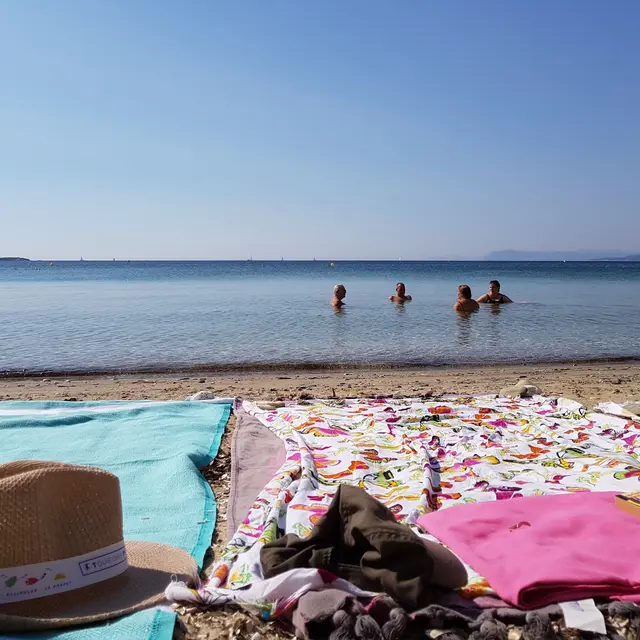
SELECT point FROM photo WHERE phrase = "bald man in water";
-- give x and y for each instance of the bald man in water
(339, 293)
(401, 294)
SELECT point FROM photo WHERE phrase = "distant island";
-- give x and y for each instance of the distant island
(632, 258)
(10, 259)
(511, 255)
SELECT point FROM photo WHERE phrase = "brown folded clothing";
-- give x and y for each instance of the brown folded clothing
(359, 539)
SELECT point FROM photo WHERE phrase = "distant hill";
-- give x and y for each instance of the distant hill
(559, 256)
(632, 258)
(14, 259)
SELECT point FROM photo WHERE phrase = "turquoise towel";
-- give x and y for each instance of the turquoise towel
(156, 449)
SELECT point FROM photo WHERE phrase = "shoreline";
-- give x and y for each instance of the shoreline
(588, 382)
(302, 367)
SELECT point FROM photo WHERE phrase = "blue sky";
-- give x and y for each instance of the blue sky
(334, 128)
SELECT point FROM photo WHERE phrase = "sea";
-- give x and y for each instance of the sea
(135, 316)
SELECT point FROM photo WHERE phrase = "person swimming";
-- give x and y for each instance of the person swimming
(401, 294)
(494, 296)
(465, 302)
(339, 293)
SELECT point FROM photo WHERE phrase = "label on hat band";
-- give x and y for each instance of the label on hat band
(48, 578)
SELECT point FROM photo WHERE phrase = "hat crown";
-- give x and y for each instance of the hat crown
(52, 511)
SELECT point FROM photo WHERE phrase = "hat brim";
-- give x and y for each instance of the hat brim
(142, 585)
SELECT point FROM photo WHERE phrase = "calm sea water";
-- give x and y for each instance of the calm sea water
(88, 316)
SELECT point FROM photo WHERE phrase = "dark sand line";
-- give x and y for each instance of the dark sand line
(303, 367)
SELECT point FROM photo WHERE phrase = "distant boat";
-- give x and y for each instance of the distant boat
(81, 259)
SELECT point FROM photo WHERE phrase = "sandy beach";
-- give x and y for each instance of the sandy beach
(587, 382)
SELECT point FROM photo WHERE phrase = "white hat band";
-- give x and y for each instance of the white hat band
(49, 578)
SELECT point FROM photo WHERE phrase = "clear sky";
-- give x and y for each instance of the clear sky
(334, 128)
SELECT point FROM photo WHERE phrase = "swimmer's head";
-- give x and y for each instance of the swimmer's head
(464, 292)
(401, 289)
(339, 291)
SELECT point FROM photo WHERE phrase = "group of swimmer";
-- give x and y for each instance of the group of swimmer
(465, 303)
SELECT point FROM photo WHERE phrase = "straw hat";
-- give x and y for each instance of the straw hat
(63, 561)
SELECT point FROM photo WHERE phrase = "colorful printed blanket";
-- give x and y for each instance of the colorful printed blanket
(416, 456)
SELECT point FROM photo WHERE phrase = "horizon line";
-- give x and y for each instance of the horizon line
(328, 260)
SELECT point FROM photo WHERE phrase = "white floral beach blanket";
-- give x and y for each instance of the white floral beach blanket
(416, 456)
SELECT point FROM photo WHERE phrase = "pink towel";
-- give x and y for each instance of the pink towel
(539, 550)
